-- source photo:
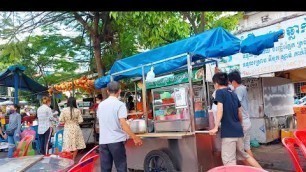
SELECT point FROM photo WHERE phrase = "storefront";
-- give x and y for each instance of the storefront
(273, 77)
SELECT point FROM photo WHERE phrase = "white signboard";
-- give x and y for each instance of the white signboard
(288, 53)
(180, 97)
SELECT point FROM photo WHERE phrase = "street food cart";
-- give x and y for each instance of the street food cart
(175, 143)
(180, 140)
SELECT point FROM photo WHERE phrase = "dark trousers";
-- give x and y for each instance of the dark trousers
(113, 152)
(45, 141)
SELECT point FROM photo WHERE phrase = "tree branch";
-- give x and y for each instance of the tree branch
(83, 22)
(191, 20)
(202, 22)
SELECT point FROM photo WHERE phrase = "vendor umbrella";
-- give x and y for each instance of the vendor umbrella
(14, 77)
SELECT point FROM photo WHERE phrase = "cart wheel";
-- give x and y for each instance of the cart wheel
(158, 161)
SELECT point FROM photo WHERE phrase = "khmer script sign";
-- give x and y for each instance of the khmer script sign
(288, 53)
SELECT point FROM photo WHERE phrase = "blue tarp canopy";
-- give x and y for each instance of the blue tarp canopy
(213, 43)
(14, 77)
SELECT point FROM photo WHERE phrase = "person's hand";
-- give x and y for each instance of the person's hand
(137, 141)
(4, 136)
(217, 70)
(213, 131)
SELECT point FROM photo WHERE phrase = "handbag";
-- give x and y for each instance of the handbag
(10, 132)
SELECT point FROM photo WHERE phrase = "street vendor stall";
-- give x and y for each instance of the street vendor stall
(179, 141)
(87, 85)
(14, 77)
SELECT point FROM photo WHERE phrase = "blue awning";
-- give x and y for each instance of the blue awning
(14, 77)
(213, 43)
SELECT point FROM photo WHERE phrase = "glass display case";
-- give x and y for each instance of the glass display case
(200, 108)
(171, 108)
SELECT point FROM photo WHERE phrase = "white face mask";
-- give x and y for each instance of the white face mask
(231, 87)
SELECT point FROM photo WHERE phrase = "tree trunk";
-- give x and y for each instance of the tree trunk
(202, 22)
(97, 55)
(97, 49)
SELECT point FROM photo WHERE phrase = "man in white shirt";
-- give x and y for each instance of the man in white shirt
(113, 127)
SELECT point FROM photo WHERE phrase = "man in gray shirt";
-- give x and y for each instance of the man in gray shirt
(113, 127)
(241, 91)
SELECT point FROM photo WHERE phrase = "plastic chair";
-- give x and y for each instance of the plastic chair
(300, 138)
(290, 143)
(58, 144)
(86, 165)
(36, 141)
(236, 168)
(90, 154)
(23, 146)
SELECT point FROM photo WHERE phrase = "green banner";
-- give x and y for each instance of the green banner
(179, 78)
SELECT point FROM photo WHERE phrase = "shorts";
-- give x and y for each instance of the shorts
(233, 149)
(247, 139)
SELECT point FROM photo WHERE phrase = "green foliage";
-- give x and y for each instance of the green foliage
(152, 29)
(42, 55)
(129, 32)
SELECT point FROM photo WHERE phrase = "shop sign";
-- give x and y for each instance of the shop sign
(288, 53)
(175, 79)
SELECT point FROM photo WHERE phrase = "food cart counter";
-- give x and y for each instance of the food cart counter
(184, 151)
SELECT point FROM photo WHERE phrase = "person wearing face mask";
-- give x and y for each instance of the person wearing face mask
(229, 113)
(45, 119)
(14, 129)
(99, 99)
(241, 91)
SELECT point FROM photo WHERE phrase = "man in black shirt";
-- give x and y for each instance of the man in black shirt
(230, 115)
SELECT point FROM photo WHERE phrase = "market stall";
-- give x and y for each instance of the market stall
(14, 77)
(87, 85)
(179, 141)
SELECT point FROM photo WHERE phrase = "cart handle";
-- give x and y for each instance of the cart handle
(202, 132)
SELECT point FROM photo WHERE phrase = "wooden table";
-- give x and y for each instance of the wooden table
(35, 163)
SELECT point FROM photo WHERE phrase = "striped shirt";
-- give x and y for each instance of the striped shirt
(45, 116)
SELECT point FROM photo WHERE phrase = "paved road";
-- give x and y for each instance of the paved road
(274, 158)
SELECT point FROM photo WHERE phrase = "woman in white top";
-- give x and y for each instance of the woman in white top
(45, 116)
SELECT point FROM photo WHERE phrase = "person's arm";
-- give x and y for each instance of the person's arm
(219, 114)
(239, 92)
(61, 118)
(127, 129)
(50, 114)
(80, 118)
(122, 115)
(219, 100)
(1, 131)
(18, 123)
(240, 114)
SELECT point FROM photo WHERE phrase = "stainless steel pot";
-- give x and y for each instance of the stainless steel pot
(138, 125)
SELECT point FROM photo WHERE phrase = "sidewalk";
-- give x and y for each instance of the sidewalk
(275, 158)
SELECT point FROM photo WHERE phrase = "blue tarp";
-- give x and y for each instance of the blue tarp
(257, 44)
(213, 43)
(14, 77)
